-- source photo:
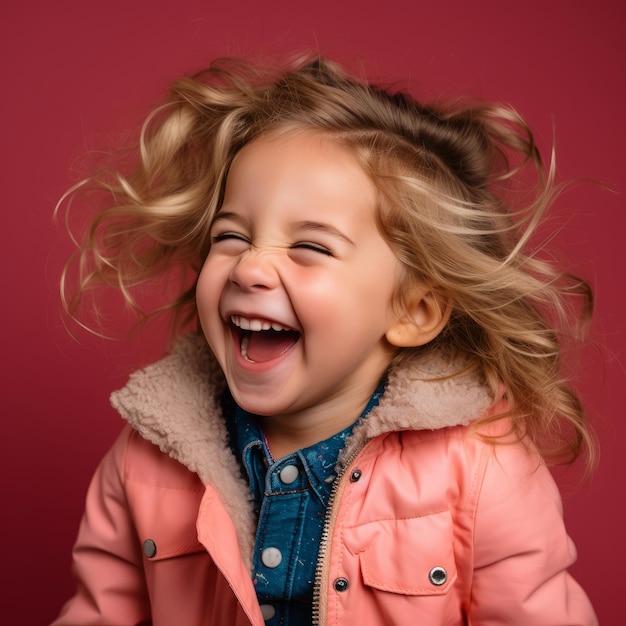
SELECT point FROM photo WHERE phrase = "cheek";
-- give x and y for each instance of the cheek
(207, 288)
(313, 292)
(344, 306)
(207, 305)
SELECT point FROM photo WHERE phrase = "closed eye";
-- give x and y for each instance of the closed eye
(229, 243)
(228, 235)
(314, 247)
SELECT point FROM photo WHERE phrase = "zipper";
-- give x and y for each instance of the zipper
(328, 522)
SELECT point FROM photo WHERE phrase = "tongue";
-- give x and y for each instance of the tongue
(267, 345)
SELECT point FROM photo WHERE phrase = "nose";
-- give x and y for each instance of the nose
(255, 270)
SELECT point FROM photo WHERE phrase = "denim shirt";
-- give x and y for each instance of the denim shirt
(291, 496)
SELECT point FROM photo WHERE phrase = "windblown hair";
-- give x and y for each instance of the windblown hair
(461, 190)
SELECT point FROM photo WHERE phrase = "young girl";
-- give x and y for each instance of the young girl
(356, 433)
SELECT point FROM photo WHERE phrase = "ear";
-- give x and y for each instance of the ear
(423, 319)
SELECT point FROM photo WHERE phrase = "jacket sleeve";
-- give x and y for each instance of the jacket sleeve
(107, 559)
(521, 548)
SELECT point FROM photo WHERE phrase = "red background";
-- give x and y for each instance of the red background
(73, 72)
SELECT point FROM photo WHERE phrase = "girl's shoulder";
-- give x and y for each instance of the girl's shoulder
(134, 460)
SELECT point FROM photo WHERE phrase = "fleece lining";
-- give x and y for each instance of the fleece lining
(175, 404)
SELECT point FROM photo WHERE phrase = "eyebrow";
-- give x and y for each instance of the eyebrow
(226, 215)
(323, 228)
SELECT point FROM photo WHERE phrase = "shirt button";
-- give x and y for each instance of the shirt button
(288, 474)
(271, 557)
(341, 584)
(267, 611)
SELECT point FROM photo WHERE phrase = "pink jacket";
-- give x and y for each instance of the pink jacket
(428, 526)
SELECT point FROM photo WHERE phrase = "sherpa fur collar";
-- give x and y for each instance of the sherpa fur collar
(175, 404)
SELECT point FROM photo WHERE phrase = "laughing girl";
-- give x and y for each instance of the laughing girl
(358, 431)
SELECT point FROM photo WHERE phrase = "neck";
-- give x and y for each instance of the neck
(286, 434)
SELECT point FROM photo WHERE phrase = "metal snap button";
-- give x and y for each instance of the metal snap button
(356, 475)
(341, 584)
(149, 548)
(438, 576)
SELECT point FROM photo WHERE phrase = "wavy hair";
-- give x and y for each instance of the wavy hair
(461, 191)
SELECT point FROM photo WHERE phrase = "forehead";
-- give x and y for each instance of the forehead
(296, 147)
(298, 166)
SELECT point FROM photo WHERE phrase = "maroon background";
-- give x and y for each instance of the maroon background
(75, 71)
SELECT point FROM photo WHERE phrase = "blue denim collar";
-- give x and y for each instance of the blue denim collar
(245, 435)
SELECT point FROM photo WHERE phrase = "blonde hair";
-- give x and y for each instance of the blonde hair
(456, 202)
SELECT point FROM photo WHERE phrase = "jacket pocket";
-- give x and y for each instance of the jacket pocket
(166, 522)
(413, 556)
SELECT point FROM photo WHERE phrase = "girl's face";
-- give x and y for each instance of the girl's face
(295, 295)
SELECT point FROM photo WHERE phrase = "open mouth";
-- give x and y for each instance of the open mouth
(261, 340)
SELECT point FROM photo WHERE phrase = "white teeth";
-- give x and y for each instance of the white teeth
(255, 325)
(245, 342)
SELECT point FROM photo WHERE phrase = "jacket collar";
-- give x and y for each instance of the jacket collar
(175, 404)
